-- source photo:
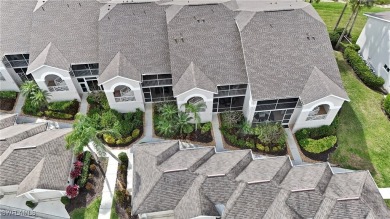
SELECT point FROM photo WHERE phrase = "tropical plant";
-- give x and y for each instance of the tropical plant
(231, 118)
(28, 88)
(39, 98)
(168, 111)
(195, 108)
(84, 132)
(182, 123)
(246, 128)
(165, 128)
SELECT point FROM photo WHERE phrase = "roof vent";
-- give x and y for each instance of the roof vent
(80, 4)
(43, 9)
(308, 38)
(313, 38)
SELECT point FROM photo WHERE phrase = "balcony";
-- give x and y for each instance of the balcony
(123, 94)
(56, 85)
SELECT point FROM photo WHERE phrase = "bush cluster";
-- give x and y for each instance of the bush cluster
(386, 104)
(31, 204)
(65, 200)
(85, 170)
(8, 94)
(361, 68)
(317, 146)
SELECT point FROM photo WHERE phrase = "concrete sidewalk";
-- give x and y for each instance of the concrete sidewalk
(84, 104)
(293, 147)
(217, 134)
(19, 103)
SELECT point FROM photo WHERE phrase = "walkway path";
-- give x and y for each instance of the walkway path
(19, 103)
(217, 134)
(84, 104)
(148, 127)
(293, 147)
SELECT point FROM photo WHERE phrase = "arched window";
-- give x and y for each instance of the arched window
(319, 112)
(198, 102)
(123, 93)
(55, 83)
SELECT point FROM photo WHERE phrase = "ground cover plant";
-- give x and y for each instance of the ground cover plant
(7, 100)
(90, 211)
(169, 122)
(363, 130)
(265, 137)
(122, 128)
(386, 105)
(37, 104)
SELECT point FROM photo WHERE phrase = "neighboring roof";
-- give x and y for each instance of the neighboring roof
(34, 159)
(246, 188)
(7, 120)
(119, 66)
(385, 15)
(297, 42)
(318, 86)
(72, 26)
(206, 36)
(15, 26)
(50, 56)
(139, 32)
(193, 77)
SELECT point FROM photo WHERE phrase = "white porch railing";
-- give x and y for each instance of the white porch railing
(58, 88)
(124, 98)
(316, 117)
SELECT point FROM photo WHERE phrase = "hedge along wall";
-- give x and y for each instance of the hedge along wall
(361, 69)
(84, 173)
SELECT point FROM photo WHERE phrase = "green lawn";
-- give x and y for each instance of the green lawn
(364, 130)
(90, 212)
(330, 12)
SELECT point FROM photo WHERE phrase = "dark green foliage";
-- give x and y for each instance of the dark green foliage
(8, 94)
(320, 132)
(58, 115)
(361, 69)
(65, 200)
(318, 145)
(64, 106)
(124, 127)
(31, 204)
(135, 133)
(334, 37)
(123, 158)
(29, 108)
(109, 118)
(386, 104)
(205, 127)
(85, 171)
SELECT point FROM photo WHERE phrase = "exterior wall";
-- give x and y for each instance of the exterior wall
(374, 42)
(128, 106)
(9, 84)
(40, 74)
(249, 105)
(8, 189)
(334, 103)
(42, 194)
(207, 98)
(159, 215)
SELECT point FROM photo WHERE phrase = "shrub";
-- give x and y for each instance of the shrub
(29, 108)
(109, 118)
(78, 164)
(270, 133)
(64, 106)
(260, 147)
(266, 149)
(124, 127)
(75, 173)
(320, 132)
(250, 144)
(65, 200)
(135, 133)
(31, 204)
(8, 94)
(334, 37)
(72, 191)
(85, 170)
(58, 115)
(361, 68)
(89, 186)
(123, 158)
(318, 146)
(339, 30)
(205, 127)
(232, 118)
(92, 167)
(109, 139)
(275, 149)
(386, 104)
(124, 140)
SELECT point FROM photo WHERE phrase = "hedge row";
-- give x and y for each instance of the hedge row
(386, 104)
(85, 171)
(361, 68)
(317, 146)
(8, 94)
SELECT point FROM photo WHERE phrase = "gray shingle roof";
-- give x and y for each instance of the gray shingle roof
(7, 120)
(294, 43)
(41, 161)
(139, 32)
(15, 26)
(72, 26)
(213, 45)
(50, 56)
(265, 188)
(119, 66)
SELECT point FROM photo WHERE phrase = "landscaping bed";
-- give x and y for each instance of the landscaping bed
(126, 127)
(386, 106)
(121, 206)
(266, 138)
(170, 123)
(92, 187)
(7, 100)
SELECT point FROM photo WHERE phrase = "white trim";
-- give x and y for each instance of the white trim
(326, 97)
(196, 94)
(30, 72)
(118, 76)
(112, 88)
(370, 16)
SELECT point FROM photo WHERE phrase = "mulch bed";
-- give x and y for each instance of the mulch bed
(323, 156)
(7, 104)
(195, 136)
(85, 197)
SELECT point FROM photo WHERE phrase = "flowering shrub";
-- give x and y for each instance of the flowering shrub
(75, 173)
(78, 164)
(72, 191)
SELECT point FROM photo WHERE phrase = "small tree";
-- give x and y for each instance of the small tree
(183, 124)
(195, 108)
(168, 111)
(39, 98)
(28, 88)
(165, 128)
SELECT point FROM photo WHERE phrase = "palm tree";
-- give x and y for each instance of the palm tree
(83, 133)
(168, 110)
(165, 128)
(183, 124)
(39, 98)
(28, 88)
(341, 15)
(195, 108)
